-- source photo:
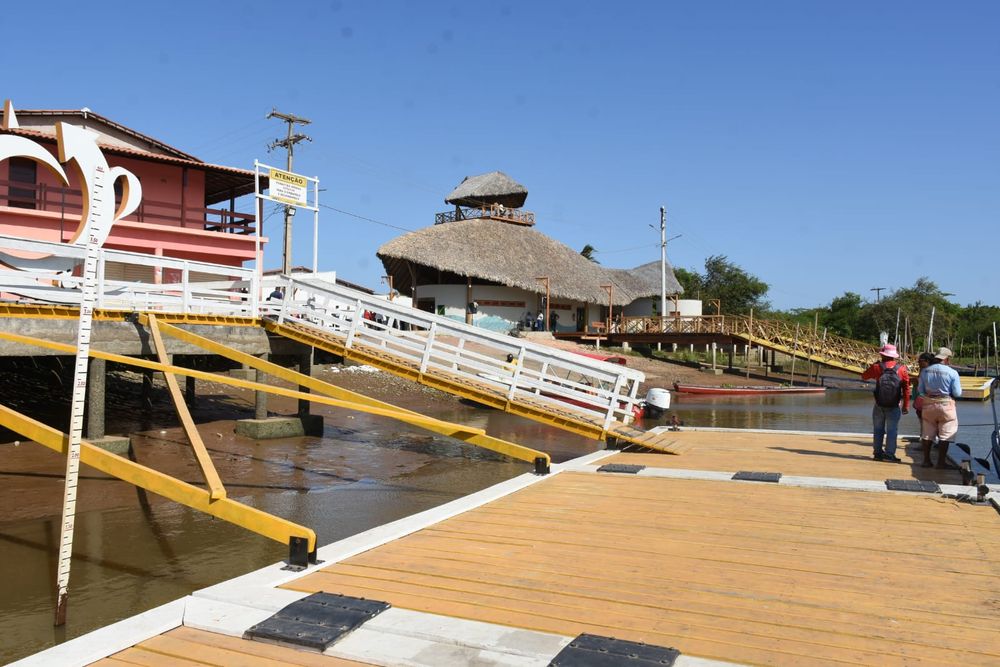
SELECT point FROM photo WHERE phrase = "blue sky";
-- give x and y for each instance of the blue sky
(823, 146)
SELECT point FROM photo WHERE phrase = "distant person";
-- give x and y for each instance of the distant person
(892, 384)
(939, 386)
(923, 361)
(511, 365)
(277, 294)
(555, 321)
(540, 322)
(528, 320)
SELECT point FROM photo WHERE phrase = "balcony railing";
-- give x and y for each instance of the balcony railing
(493, 212)
(69, 202)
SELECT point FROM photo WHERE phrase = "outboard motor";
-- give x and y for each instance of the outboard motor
(657, 402)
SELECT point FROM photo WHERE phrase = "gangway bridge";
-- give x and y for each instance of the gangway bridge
(804, 343)
(572, 392)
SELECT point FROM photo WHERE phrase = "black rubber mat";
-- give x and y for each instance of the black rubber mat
(597, 651)
(317, 621)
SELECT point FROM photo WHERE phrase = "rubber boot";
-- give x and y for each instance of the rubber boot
(943, 454)
(925, 445)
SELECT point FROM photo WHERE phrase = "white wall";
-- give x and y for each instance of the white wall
(651, 306)
(495, 317)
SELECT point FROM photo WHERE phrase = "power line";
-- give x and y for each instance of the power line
(361, 217)
(225, 136)
(638, 247)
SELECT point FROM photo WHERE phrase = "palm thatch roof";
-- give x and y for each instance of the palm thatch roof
(495, 187)
(514, 255)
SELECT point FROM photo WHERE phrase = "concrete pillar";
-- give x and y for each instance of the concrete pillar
(305, 367)
(673, 347)
(732, 353)
(260, 397)
(96, 380)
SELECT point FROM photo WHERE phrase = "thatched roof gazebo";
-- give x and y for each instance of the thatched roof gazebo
(495, 187)
(494, 252)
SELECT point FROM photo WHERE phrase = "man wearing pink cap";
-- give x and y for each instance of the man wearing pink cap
(892, 384)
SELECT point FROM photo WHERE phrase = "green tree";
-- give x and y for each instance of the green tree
(735, 288)
(844, 315)
(690, 281)
(914, 306)
(588, 252)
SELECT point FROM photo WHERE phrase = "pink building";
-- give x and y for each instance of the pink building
(187, 210)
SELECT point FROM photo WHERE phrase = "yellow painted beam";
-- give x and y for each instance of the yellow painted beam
(576, 425)
(54, 312)
(473, 436)
(324, 391)
(262, 523)
(215, 488)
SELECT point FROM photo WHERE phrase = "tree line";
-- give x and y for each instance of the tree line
(904, 314)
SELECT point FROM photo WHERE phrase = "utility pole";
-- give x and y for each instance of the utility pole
(878, 291)
(288, 143)
(663, 262)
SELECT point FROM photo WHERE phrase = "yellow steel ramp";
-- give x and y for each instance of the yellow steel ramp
(472, 387)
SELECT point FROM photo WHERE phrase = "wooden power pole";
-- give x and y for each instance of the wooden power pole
(288, 143)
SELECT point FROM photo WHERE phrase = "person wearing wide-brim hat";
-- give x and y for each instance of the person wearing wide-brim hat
(889, 391)
(939, 385)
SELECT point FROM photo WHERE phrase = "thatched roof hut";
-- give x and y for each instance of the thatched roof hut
(495, 252)
(495, 187)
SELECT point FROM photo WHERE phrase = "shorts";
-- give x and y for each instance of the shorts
(938, 418)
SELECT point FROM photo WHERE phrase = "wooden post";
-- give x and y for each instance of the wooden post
(468, 300)
(795, 352)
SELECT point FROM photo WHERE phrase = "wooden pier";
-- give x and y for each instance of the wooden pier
(826, 566)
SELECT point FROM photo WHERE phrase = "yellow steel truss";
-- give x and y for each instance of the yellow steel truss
(360, 402)
(159, 483)
(326, 393)
(457, 386)
(208, 471)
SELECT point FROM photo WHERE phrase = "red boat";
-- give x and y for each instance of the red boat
(749, 390)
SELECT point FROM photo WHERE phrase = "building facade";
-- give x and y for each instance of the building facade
(187, 210)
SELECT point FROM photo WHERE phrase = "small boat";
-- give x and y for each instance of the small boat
(748, 390)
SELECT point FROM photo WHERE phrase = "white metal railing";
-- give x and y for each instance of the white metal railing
(187, 286)
(44, 272)
(433, 343)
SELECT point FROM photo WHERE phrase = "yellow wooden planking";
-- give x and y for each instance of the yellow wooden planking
(810, 455)
(187, 646)
(748, 573)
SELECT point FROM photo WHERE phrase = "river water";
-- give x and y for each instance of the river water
(132, 555)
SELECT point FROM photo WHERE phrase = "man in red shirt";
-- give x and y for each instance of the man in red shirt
(892, 384)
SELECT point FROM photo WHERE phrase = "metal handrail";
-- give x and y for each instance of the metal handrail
(432, 343)
(803, 343)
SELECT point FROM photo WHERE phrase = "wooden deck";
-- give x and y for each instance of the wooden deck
(749, 573)
(842, 457)
(805, 573)
(187, 647)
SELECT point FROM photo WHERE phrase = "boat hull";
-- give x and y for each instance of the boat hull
(744, 391)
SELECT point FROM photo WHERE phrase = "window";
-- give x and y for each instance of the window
(22, 170)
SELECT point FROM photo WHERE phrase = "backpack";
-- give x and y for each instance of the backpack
(888, 387)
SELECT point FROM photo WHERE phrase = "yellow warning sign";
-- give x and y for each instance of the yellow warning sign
(287, 187)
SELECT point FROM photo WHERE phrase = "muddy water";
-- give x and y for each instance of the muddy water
(133, 553)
